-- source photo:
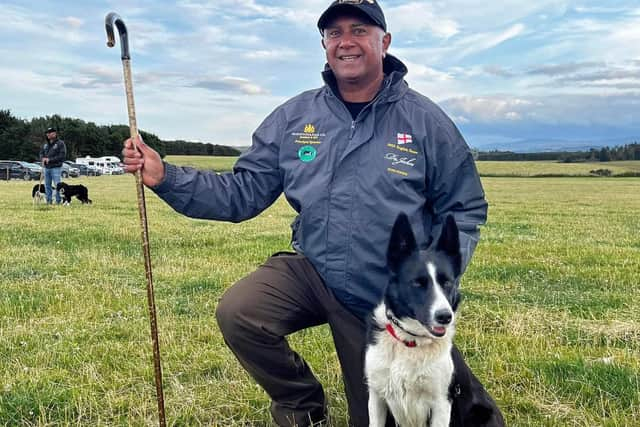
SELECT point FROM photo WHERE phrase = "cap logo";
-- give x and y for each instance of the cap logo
(356, 1)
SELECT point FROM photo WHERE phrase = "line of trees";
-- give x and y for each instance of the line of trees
(604, 154)
(622, 152)
(186, 148)
(22, 139)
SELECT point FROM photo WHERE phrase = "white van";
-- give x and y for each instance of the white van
(107, 165)
(113, 165)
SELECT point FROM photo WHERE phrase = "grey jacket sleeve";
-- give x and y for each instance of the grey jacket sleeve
(457, 190)
(254, 184)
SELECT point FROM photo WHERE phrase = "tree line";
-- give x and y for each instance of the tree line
(186, 148)
(604, 154)
(22, 139)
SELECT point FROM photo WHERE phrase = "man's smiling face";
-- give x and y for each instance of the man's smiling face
(355, 50)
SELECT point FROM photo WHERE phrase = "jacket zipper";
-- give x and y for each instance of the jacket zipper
(354, 122)
(352, 131)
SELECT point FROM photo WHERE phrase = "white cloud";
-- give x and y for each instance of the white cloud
(461, 47)
(211, 116)
(581, 110)
(30, 24)
(599, 9)
(231, 84)
(290, 12)
(417, 17)
(595, 38)
(272, 55)
(490, 109)
(472, 16)
(481, 42)
(18, 20)
(72, 21)
(624, 39)
(434, 83)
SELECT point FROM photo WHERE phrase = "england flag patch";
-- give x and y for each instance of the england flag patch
(404, 138)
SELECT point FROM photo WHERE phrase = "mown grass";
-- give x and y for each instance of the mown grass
(550, 319)
(216, 163)
(551, 168)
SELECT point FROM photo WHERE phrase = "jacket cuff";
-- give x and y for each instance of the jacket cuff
(169, 179)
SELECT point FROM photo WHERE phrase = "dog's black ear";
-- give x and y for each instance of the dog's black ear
(402, 242)
(449, 240)
(449, 244)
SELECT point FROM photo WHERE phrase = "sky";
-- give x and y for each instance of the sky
(506, 72)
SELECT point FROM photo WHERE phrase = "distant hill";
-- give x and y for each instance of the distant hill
(550, 145)
(603, 154)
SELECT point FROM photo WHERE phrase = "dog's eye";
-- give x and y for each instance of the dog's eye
(448, 284)
(420, 282)
(444, 281)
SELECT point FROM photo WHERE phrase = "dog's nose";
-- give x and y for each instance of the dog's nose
(443, 317)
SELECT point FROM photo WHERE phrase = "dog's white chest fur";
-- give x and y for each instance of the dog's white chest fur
(413, 382)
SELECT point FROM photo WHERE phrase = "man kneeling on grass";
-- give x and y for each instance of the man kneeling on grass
(372, 148)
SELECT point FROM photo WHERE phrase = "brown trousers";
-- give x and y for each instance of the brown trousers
(283, 296)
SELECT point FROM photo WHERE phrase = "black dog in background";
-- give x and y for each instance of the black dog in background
(68, 191)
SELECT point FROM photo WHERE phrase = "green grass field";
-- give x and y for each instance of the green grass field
(550, 319)
(546, 168)
(485, 168)
(216, 163)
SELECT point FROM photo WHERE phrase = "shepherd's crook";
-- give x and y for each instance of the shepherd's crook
(110, 20)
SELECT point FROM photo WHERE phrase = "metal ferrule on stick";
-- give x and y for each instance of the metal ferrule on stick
(111, 20)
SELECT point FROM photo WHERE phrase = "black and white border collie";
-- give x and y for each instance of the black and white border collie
(37, 193)
(410, 361)
(68, 191)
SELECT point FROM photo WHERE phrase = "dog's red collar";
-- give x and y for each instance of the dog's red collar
(393, 334)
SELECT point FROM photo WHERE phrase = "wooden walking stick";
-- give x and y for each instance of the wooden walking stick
(111, 20)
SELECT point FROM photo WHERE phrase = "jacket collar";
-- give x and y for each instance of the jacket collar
(394, 72)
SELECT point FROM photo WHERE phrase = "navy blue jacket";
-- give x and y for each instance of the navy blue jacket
(55, 151)
(347, 180)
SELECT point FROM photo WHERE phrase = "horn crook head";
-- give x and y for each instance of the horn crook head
(111, 20)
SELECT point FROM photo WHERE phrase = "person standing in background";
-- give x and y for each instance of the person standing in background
(52, 154)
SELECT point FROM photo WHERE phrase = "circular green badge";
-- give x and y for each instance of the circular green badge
(307, 153)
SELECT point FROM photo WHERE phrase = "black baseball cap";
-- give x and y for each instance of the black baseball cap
(49, 130)
(369, 8)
